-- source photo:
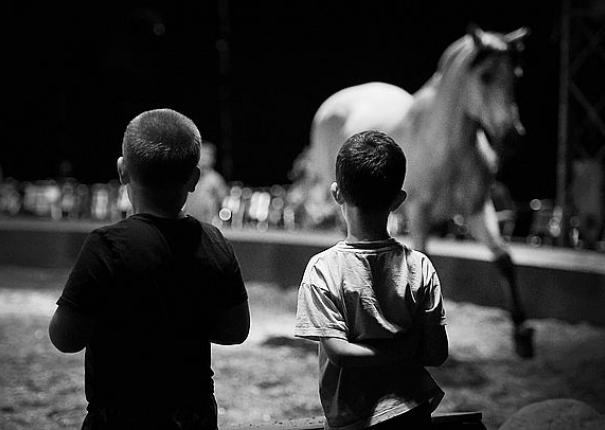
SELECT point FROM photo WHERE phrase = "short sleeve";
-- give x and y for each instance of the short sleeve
(434, 310)
(234, 291)
(317, 315)
(91, 277)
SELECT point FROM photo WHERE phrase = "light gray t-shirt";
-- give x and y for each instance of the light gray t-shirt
(364, 292)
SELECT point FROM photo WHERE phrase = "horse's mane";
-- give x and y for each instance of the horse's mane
(446, 83)
(440, 122)
(464, 51)
(458, 50)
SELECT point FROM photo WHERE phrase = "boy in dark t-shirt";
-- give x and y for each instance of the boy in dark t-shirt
(149, 294)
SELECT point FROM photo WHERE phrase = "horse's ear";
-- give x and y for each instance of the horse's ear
(476, 33)
(516, 38)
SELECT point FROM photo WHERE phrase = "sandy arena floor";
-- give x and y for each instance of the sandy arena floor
(272, 377)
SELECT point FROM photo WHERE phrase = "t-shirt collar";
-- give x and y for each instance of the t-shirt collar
(368, 245)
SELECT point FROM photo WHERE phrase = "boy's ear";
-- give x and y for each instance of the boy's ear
(399, 199)
(122, 171)
(335, 191)
(192, 182)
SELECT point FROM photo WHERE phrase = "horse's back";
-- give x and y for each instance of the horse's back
(375, 105)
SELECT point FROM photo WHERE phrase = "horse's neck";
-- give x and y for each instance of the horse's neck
(440, 119)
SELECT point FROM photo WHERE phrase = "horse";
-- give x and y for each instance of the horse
(448, 130)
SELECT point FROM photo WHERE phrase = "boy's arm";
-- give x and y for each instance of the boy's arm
(433, 350)
(349, 354)
(71, 326)
(232, 325)
(69, 330)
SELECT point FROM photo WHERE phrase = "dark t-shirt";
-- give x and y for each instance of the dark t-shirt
(153, 287)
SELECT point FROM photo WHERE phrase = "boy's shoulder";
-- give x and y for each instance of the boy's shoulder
(324, 255)
(142, 235)
(133, 225)
(417, 256)
(142, 226)
(327, 259)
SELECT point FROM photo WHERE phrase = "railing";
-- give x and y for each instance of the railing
(279, 207)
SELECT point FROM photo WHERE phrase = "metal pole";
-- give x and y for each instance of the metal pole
(562, 147)
(222, 46)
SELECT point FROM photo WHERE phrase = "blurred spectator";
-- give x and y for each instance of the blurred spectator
(65, 171)
(204, 203)
(277, 207)
(100, 205)
(545, 225)
(123, 204)
(258, 210)
(10, 199)
(113, 191)
(83, 209)
(232, 210)
(43, 199)
(588, 196)
(68, 200)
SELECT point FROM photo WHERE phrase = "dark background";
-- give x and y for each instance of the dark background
(73, 76)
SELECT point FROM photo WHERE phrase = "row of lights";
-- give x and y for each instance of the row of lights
(276, 207)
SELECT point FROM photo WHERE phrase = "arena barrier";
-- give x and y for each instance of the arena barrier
(440, 421)
(556, 283)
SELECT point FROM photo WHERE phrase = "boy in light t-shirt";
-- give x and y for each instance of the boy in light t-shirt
(374, 305)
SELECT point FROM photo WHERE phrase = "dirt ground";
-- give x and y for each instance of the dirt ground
(272, 377)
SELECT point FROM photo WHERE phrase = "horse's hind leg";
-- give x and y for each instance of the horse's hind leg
(484, 227)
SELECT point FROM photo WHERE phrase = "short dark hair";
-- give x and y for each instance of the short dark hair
(161, 147)
(370, 170)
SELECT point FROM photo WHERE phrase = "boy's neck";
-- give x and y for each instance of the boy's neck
(160, 203)
(365, 227)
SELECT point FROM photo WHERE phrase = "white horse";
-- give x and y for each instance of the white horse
(444, 129)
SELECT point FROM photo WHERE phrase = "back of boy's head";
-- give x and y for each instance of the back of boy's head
(370, 170)
(161, 147)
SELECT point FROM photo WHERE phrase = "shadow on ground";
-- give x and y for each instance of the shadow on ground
(301, 345)
(457, 373)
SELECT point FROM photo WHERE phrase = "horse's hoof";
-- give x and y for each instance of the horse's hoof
(524, 341)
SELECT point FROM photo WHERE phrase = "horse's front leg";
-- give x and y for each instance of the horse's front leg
(484, 227)
(419, 224)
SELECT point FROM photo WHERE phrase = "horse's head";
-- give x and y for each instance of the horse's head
(492, 68)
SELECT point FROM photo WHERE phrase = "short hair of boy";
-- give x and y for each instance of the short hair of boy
(370, 170)
(161, 147)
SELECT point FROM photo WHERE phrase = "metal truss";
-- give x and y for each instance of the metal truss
(581, 133)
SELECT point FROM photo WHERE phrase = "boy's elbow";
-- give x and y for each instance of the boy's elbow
(239, 336)
(69, 331)
(233, 327)
(231, 337)
(240, 339)
(436, 356)
(62, 344)
(435, 360)
(339, 361)
(435, 349)
(68, 349)
(336, 354)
